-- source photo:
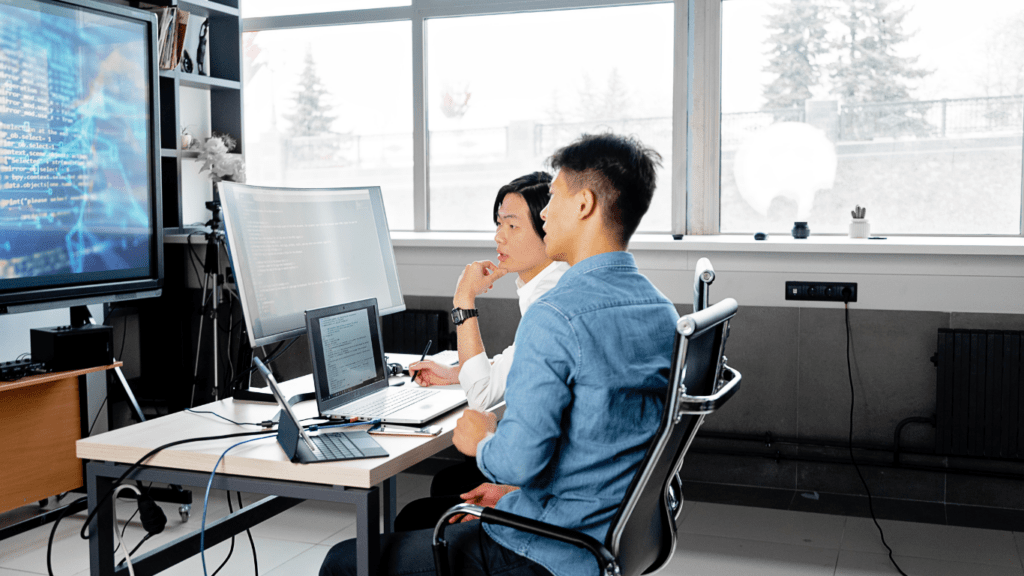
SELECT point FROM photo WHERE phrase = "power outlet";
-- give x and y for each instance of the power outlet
(822, 291)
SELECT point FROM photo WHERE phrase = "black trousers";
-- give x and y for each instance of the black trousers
(471, 552)
(444, 493)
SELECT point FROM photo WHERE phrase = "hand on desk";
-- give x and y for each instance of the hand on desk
(430, 373)
(486, 495)
(471, 428)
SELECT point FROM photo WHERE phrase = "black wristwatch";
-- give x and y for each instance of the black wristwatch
(459, 315)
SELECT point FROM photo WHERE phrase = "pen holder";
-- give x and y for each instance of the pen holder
(860, 228)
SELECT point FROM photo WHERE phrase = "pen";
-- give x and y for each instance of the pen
(412, 377)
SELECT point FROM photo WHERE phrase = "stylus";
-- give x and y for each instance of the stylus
(412, 377)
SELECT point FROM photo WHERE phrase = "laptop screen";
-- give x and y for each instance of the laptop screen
(346, 350)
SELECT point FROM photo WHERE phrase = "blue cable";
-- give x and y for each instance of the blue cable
(206, 498)
(209, 483)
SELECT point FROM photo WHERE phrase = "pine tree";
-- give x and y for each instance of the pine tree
(868, 69)
(311, 116)
(797, 41)
(612, 104)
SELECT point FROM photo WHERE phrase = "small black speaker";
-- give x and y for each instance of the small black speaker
(64, 348)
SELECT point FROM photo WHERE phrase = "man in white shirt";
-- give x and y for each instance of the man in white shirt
(520, 246)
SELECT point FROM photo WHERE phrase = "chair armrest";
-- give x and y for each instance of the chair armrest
(708, 404)
(605, 560)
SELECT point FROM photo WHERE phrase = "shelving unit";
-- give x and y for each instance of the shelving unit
(224, 84)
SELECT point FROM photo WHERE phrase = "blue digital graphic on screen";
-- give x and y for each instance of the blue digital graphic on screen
(75, 146)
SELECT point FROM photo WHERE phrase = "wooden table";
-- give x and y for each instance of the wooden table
(259, 467)
(41, 417)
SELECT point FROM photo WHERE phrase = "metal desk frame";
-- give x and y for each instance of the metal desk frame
(282, 495)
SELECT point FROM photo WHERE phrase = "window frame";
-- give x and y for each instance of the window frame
(696, 97)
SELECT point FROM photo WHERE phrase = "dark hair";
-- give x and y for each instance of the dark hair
(534, 189)
(621, 172)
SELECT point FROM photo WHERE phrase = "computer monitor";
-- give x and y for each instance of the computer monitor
(298, 249)
(80, 214)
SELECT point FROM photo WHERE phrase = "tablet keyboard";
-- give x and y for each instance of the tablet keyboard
(336, 446)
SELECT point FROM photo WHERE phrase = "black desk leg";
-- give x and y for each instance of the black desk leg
(390, 504)
(101, 529)
(368, 533)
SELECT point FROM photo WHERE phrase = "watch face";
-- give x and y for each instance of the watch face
(456, 316)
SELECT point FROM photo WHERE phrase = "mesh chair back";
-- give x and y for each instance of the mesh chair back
(643, 532)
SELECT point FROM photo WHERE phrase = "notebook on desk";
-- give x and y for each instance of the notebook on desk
(350, 376)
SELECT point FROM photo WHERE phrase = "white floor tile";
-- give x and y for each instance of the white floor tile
(306, 563)
(269, 553)
(871, 564)
(764, 525)
(972, 545)
(699, 555)
(27, 552)
(8, 572)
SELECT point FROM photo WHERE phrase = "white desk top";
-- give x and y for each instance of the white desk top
(262, 458)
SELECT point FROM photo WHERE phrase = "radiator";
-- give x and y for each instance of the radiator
(979, 406)
(408, 332)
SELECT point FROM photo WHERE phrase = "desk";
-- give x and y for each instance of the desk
(41, 417)
(258, 467)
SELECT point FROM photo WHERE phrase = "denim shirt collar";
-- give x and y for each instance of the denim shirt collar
(603, 260)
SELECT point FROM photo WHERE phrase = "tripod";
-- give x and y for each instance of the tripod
(214, 277)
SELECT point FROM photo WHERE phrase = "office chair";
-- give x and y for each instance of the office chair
(642, 536)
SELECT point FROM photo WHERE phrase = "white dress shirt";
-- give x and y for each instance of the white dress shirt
(483, 381)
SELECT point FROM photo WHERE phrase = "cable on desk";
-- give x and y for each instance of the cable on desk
(223, 417)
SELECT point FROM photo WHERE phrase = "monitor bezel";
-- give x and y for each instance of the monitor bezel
(230, 238)
(97, 292)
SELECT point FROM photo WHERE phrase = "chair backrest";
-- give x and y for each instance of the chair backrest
(642, 535)
(703, 276)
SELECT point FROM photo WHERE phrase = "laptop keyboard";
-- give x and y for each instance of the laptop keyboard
(336, 446)
(389, 403)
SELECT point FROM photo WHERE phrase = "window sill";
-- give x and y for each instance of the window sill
(894, 245)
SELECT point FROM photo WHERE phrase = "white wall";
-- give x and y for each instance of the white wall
(917, 274)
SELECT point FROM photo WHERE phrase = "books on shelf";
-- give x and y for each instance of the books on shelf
(172, 22)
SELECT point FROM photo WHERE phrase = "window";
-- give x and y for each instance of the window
(913, 109)
(505, 91)
(330, 107)
(258, 8)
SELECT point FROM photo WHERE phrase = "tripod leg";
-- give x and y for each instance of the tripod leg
(131, 396)
(199, 341)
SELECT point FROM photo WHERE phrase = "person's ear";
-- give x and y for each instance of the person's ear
(587, 203)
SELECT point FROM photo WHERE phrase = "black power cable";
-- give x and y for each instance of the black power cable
(871, 506)
(252, 543)
(231, 550)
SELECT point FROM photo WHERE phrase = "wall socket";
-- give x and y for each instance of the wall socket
(822, 291)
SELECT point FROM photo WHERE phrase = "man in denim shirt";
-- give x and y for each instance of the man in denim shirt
(584, 395)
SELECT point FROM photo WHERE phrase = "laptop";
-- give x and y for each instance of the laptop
(323, 447)
(350, 376)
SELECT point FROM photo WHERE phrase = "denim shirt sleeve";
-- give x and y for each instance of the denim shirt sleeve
(537, 395)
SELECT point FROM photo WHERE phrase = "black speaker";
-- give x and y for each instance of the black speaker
(64, 348)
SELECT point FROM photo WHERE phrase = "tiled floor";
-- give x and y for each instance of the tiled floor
(714, 539)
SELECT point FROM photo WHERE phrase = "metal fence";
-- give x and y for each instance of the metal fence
(737, 126)
(932, 118)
